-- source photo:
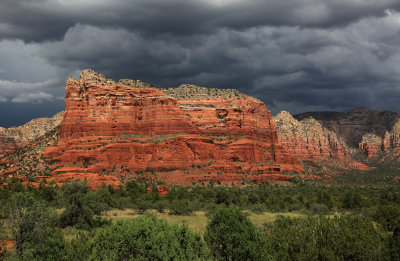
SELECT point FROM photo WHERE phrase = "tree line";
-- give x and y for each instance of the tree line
(367, 229)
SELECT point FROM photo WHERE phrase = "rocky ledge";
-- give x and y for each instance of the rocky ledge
(185, 135)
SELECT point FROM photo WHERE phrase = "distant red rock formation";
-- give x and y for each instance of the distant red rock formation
(373, 145)
(308, 139)
(179, 135)
(351, 125)
(162, 190)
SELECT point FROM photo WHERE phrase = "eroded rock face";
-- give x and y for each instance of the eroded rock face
(308, 139)
(395, 139)
(179, 135)
(352, 125)
(372, 145)
(14, 138)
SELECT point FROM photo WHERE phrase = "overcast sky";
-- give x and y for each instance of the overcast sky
(295, 55)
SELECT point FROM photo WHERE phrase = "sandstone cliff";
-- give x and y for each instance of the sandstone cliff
(308, 139)
(370, 145)
(373, 145)
(352, 125)
(14, 138)
(179, 135)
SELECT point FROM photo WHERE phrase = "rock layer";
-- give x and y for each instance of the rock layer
(373, 145)
(308, 139)
(352, 125)
(185, 134)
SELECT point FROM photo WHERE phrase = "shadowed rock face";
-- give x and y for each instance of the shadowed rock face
(179, 135)
(352, 125)
(308, 139)
(14, 138)
(373, 145)
(374, 133)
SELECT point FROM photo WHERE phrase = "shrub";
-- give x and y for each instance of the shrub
(161, 206)
(31, 225)
(80, 206)
(231, 236)
(395, 243)
(51, 247)
(143, 238)
(320, 209)
(340, 238)
(180, 207)
(387, 216)
(352, 200)
(142, 205)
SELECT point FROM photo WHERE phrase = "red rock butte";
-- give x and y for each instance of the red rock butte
(184, 135)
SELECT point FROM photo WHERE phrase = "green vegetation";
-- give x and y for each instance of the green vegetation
(31, 226)
(343, 238)
(231, 236)
(255, 222)
(395, 243)
(80, 205)
(143, 238)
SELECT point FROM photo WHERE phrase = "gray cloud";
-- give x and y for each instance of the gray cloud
(39, 20)
(33, 97)
(21, 92)
(297, 55)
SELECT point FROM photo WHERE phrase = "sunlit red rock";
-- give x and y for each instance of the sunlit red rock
(371, 145)
(131, 129)
(395, 139)
(308, 139)
(162, 190)
(353, 124)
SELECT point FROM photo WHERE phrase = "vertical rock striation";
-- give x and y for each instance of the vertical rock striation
(372, 145)
(179, 135)
(308, 139)
(353, 124)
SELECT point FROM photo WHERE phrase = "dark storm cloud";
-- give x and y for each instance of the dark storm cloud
(300, 55)
(40, 20)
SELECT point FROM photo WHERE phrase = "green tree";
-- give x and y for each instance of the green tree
(31, 225)
(388, 216)
(352, 200)
(51, 247)
(181, 207)
(339, 238)
(231, 236)
(80, 206)
(144, 238)
(395, 243)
